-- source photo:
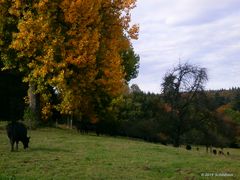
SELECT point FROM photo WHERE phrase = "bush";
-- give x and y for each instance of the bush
(30, 119)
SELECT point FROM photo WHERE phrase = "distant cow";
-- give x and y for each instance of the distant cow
(220, 152)
(16, 132)
(214, 151)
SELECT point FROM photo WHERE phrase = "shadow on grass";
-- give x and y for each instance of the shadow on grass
(47, 149)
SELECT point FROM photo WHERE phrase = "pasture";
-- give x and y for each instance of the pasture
(65, 154)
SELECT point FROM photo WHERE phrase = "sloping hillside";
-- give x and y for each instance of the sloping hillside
(65, 154)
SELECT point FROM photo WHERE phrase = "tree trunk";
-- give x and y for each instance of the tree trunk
(34, 102)
(177, 141)
(178, 133)
(206, 148)
(211, 150)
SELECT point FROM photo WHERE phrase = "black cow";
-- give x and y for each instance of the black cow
(16, 132)
(214, 151)
(188, 147)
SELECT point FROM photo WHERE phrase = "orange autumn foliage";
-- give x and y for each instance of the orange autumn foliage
(74, 46)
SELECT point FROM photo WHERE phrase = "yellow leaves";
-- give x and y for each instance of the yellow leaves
(41, 4)
(18, 3)
(16, 8)
(130, 4)
(74, 45)
(124, 5)
(133, 31)
(46, 111)
(83, 10)
(31, 33)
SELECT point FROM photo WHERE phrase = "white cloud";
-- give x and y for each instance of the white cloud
(202, 32)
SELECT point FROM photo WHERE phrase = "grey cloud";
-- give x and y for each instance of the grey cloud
(204, 32)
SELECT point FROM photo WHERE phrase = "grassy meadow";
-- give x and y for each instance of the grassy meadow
(65, 154)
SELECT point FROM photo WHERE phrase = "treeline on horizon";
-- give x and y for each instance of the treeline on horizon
(212, 120)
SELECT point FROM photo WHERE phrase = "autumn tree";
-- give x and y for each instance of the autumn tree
(8, 25)
(180, 88)
(12, 90)
(73, 46)
(33, 42)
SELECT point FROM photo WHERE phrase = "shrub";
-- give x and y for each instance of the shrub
(30, 119)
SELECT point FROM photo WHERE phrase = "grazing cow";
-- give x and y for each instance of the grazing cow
(16, 132)
(214, 151)
(188, 147)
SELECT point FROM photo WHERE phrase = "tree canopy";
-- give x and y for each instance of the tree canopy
(74, 46)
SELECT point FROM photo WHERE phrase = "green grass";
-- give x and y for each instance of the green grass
(65, 154)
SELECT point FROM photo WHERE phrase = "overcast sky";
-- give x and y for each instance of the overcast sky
(201, 32)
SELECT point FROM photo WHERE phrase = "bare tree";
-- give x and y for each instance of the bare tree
(180, 89)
